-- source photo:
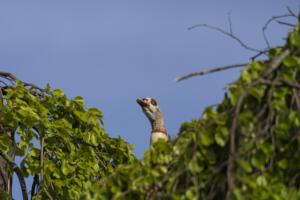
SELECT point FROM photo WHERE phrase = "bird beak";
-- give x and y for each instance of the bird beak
(141, 103)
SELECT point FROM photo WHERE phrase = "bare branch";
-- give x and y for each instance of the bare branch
(229, 34)
(286, 23)
(280, 83)
(47, 193)
(230, 22)
(19, 174)
(259, 54)
(3, 178)
(209, 71)
(268, 23)
(34, 185)
(42, 161)
(291, 12)
(4, 84)
(8, 76)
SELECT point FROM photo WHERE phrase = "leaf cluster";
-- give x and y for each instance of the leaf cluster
(58, 141)
(247, 147)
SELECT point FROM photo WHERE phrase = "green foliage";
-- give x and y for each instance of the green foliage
(76, 149)
(247, 147)
(266, 107)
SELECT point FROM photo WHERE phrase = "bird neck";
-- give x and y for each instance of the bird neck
(158, 124)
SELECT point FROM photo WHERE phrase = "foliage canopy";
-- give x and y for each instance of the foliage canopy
(61, 143)
(247, 147)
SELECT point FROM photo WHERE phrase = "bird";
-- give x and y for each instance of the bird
(155, 116)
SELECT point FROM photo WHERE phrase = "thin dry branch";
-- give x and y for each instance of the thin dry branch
(19, 174)
(286, 23)
(259, 54)
(209, 71)
(42, 156)
(281, 83)
(274, 18)
(229, 34)
(8, 76)
(230, 22)
(291, 12)
(34, 185)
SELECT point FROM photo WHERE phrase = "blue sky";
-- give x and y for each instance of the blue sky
(112, 52)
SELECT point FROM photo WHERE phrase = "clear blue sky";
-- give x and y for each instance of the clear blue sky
(112, 52)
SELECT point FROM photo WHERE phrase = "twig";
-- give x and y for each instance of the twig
(259, 54)
(3, 83)
(2, 175)
(42, 161)
(230, 22)
(8, 76)
(19, 174)
(291, 12)
(281, 83)
(34, 184)
(285, 23)
(47, 193)
(209, 71)
(297, 100)
(226, 33)
(268, 23)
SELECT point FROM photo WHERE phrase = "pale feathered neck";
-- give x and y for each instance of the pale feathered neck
(158, 124)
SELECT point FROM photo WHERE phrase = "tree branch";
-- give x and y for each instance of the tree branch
(8, 76)
(285, 23)
(19, 174)
(209, 71)
(230, 22)
(42, 161)
(275, 62)
(268, 23)
(34, 184)
(229, 34)
(291, 12)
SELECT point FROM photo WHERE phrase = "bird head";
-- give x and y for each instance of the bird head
(149, 107)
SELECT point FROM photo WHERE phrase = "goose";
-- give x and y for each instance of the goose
(155, 116)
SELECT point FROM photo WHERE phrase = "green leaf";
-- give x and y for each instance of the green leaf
(257, 92)
(206, 138)
(221, 136)
(246, 166)
(261, 181)
(4, 142)
(58, 93)
(290, 61)
(191, 194)
(258, 161)
(295, 39)
(66, 168)
(282, 163)
(194, 166)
